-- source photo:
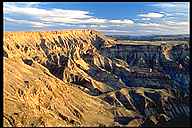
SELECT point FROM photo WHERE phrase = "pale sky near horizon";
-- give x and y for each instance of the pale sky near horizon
(123, 18)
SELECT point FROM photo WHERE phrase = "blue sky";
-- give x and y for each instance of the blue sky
(124, 18)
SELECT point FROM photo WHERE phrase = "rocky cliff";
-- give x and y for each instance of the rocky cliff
(164, 61)
(82, 78)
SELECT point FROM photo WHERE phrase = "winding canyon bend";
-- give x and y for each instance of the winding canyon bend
(83, 78)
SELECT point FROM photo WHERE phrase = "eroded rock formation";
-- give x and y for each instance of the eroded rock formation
(82, 78)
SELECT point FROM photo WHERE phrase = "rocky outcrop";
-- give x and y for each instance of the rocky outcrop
(154, 62)
(34, 97)
(148, 102)
(80, 77)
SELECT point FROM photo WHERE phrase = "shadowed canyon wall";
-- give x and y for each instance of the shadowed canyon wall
(82, 78)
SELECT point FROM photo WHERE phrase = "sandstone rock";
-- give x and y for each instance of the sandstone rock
(82, 78)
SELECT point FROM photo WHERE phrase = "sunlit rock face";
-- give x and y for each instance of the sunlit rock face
(82, 78)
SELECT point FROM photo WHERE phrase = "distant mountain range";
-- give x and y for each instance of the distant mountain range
(182, 37)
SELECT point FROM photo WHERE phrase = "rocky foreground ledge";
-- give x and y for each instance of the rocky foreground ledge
(83, 78)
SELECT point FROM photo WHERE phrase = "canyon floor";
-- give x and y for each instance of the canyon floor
(83, 78)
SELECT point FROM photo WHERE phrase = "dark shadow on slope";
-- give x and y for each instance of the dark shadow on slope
(156, 97)
(28, 61)
(5, 54)
(125, 120)
(43, 45)
(56, 64)
(138, 101)
(61, 41)
(56, 42)
(124, 101)
(99, 42)
(181, 121)
(86, 84)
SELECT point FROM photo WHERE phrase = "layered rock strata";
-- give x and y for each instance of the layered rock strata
(82, 78)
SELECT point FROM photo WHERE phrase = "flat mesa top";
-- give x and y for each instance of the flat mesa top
(158, 43)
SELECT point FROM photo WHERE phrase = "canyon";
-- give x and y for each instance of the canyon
(83, 78)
